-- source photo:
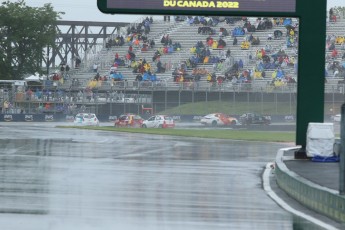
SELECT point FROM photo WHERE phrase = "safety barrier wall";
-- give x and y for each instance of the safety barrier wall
(326, 201)
(60, 117)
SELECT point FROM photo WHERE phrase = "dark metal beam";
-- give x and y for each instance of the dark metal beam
(96, 24)
(74, 38)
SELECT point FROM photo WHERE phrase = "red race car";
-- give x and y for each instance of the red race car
(129, 120)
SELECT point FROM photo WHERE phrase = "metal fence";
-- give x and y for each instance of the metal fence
(161, 95)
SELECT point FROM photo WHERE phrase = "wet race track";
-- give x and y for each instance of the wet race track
(64, 179)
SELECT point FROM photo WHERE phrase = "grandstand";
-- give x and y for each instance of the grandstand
(187, 36)
(335, 30)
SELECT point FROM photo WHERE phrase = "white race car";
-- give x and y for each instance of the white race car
(219, 119)
(159, 121)
(86, 119)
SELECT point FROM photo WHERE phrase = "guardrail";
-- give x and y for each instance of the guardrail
(318, 198)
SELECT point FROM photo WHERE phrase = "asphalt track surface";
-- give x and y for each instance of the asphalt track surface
(52, 179)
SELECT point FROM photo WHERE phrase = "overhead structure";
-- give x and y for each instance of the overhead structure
(75, 38)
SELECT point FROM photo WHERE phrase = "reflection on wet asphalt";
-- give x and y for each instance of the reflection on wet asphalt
(54, 178)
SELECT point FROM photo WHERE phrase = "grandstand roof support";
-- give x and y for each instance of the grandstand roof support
(75, 38)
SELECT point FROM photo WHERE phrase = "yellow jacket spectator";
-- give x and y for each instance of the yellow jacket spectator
(193, 50)
(340, 40)
(274, 74)
(94, 84)
(257, 74)
(147, 67)
(209, 77)
(259, 54)
(161, 50)
(281, 21)
(134, 64)
(245, 45)
(278, 83)
(292, 60)
(214, 45)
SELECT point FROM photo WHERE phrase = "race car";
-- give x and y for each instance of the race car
(86, 119)
(219, 119)
(129, 120)
(255, 119)
(159, 121)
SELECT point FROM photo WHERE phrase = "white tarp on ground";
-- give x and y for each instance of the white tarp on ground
(320, 139)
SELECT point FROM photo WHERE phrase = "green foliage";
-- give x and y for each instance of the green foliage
(340, 10)
(24, 33)
(216, 133)
(233, 108)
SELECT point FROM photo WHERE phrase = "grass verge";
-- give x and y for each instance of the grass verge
(264, 136)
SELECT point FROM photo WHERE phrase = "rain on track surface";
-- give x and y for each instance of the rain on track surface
(55, 178)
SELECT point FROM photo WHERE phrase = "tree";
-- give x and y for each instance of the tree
(340, 11)
(24, 33)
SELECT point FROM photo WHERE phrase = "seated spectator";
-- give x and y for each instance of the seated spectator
(209, 78)
(153, 77)
(209, 41)
(257, 74)
(116, 76)
(235, 41)
(145, 47)
(97, 76)
(339, 40)
(255, 41)
(269, 37)
(221, 43)
(245, 45)
(331, 46)
(268, 48)
(177, 46)
(278, 83)
(250, 38)
(220, 80)
(342, 47)
(240, 64)
(334, 53)
(139, 77)
(215, 45)
(277, 34)
(190, 20)
(146, 76)
(160, 68)
(130, 56)
(206, 59)
(228, 53)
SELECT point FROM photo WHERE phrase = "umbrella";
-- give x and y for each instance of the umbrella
(289, 27)
(278, 32)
